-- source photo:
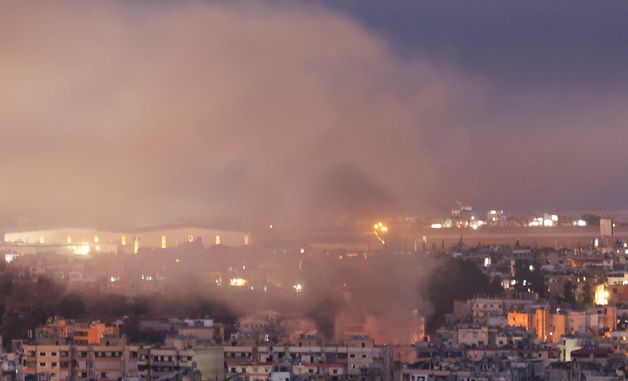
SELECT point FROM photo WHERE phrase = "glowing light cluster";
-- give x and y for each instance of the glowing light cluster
(548, 220)
(81, 249)
(379, 229)
(475, 224)
(601, 295)
(238, 282)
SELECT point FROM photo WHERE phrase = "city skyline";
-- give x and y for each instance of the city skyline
(327, 190)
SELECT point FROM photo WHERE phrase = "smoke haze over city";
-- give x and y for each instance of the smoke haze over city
(146, 112)
(313, 190)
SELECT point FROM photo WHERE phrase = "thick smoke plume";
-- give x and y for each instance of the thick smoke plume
(147, 112)
(135, 113)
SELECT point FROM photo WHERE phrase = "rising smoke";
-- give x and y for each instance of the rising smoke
(147, 112)
(141, 113)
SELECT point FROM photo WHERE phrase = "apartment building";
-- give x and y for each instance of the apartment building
(59, 359)
(356, 357)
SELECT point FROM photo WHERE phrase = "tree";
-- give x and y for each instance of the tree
(568, 293)
(529, 277)
(455, 279)
(587, 294)
(6, 284)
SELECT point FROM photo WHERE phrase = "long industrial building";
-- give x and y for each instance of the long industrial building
(85, 241)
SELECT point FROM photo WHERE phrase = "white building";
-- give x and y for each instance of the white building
(85, 241)
(473, 336)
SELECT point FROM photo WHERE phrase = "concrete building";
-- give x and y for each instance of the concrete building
(80, 333)
(114, 359)
(60, 359)
(617, 278)
(161, 361)
(482, 308)
(355, 358)
(473, 336)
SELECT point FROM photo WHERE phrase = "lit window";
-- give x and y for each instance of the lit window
(123, 240)
(217, 240)
(163, 242)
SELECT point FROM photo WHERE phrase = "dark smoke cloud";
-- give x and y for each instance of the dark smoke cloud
(145, 112)
(379, 293)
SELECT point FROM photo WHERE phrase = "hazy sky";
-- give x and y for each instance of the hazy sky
(149, 111)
